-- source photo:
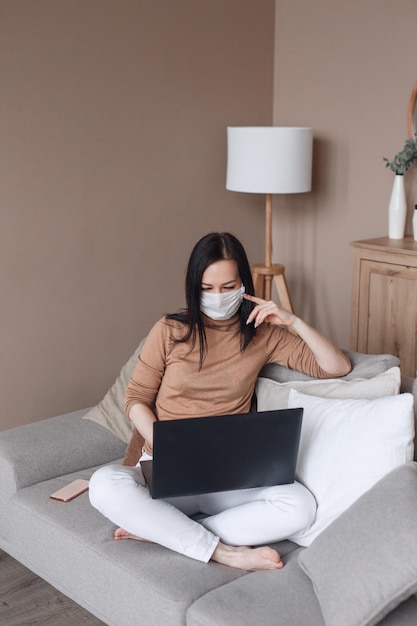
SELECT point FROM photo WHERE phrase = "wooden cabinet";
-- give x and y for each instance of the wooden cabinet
(384, 299)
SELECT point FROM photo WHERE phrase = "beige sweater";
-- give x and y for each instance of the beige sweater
(167, 377)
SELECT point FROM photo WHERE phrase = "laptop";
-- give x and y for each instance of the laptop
(222, 453)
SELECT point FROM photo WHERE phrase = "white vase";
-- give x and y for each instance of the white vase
(415, 223)
(397, 209)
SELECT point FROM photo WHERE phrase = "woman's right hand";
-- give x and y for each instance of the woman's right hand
(269, 312)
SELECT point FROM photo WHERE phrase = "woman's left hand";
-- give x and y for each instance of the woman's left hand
(268, 311)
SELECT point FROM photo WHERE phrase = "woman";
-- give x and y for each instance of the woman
(203, 361)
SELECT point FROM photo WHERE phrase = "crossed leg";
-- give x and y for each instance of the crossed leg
(241, 557)
(119, 493)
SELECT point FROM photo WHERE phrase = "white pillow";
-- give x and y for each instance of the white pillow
(273, 395)
(346, 446)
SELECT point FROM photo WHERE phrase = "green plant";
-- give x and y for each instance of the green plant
(402, 161)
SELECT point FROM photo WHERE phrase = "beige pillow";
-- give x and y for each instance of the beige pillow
(272, 395)
(109, 411)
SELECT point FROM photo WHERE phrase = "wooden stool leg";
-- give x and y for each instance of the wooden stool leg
(258, 283)
(267, 287)
(283, 293)
(262, 280)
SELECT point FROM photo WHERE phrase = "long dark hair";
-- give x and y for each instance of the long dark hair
(211, 248)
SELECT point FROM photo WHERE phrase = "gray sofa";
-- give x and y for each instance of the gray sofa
(360, 570)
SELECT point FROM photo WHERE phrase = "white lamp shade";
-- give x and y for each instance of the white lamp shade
(275, 159)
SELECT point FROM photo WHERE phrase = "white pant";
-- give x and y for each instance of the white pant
(245, 517)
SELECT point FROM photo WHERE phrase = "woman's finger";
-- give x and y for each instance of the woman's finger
(255, 299)
(255, 311)
(262, 312)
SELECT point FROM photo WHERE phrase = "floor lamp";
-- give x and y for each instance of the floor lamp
(269, 160)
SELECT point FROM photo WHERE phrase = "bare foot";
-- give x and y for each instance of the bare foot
(120, 533)
(247, 558)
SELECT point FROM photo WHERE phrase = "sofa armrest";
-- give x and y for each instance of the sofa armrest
(54, 447)
(368, 554)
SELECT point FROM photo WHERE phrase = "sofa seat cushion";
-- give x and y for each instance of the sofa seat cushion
(71, 546)
(404, 615)
(275, 598)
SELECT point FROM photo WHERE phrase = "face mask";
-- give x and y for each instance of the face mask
(221, 306)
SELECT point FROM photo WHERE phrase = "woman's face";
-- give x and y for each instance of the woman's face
(221, 277)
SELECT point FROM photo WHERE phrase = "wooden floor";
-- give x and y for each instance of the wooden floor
(27, 600)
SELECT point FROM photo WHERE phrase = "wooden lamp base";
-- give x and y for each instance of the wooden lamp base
(262, 280)
(264, 274)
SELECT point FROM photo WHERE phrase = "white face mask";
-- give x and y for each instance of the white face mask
(221, 306)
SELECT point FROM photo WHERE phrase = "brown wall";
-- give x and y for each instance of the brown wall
(347, 69)
(113, 150)
(113, 146)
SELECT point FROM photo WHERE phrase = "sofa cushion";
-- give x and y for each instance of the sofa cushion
(363, 366)
(124, 583)
(282, 597)
(404, 615)
(365, 563)
(346, 447)
(273, 395)
(109, 412)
